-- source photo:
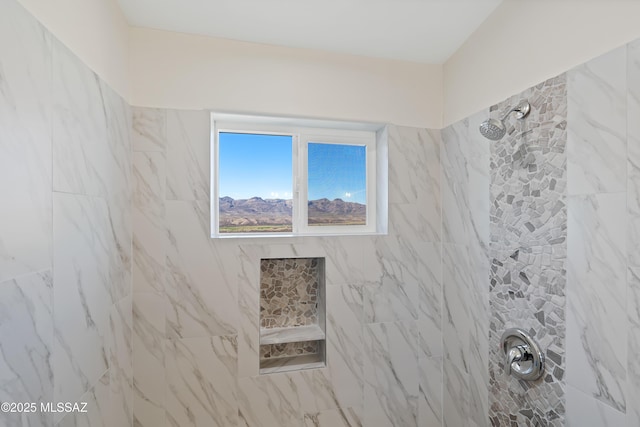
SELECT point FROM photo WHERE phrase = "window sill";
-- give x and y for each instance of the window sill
(291, 235)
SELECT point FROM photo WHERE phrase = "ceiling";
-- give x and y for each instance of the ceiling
(427, 31)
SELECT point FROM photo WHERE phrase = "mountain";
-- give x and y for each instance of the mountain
(257, 214)
(337, 207)
(255, 205)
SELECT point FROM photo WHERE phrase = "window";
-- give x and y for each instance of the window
(336, 184)
(281, 178)
(255, 182)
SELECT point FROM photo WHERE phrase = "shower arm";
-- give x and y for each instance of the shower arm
(522, 109)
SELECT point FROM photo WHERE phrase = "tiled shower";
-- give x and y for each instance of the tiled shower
(551, 211)
(113, 293)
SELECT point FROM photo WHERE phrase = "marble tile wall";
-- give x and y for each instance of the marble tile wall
(65, 232)
(633, 234)
(195, 296)
(603, 331)
(465, 213)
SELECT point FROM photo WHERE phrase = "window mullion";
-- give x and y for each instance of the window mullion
(295, 203)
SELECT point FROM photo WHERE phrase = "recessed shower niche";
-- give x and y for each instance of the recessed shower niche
(292, 314)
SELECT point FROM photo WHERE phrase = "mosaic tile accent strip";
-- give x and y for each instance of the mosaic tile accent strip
(289, 292)
(528, 253)
(273, 351)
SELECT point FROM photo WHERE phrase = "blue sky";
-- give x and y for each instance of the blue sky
(255, 165)
(337, 172)
(261, 165)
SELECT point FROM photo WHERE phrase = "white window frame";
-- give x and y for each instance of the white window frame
(303, 132)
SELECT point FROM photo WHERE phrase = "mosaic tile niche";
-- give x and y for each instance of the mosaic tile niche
(528, 251)
(292, 314)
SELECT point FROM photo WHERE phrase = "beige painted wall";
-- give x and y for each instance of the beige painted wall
(521, 44)
(95, 30)
(173, 70)
(525, 42)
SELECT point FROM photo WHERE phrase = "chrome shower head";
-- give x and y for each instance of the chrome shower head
(495, 129)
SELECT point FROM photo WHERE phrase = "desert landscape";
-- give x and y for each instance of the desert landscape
(257, 215)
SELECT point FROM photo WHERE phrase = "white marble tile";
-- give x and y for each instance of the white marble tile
(149, 181)
(201, 377)
(97, 412)
(120, 250)
(188, 142)
(249, 311)
(148, 360)
(456, 215)
(430, 201)
(455, 395)
(633, 152)
(584, 410)
(344, 263)
(478, 171)
(466, 312)
(149, 131)
(269, 400)
(476, 146)
(80, 144)
(390, 301)
(430, 297)
(121, 363)
(633, 233)
(391, 388)
(407, 220)
(82, 293)
(403, 269)
(455, 139)
(597, 131)
(633, 349)
(414, 180)
(479, 393)
(345, 345)
(341, 417)
(430, 401)
(318, 391)
(201, 291)
(118, 175)
(150, 234)
(118, 181)
(25, 143)
(413, 166)
(372, 266)
(596, 297)
(26, 348)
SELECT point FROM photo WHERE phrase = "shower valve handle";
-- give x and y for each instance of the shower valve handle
(515, 354)
(523, 357)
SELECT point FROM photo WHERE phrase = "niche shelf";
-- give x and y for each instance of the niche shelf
(291, 334)
(292, 314)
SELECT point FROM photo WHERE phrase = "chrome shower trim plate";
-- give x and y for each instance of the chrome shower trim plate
(522, 110)
(523, 357)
